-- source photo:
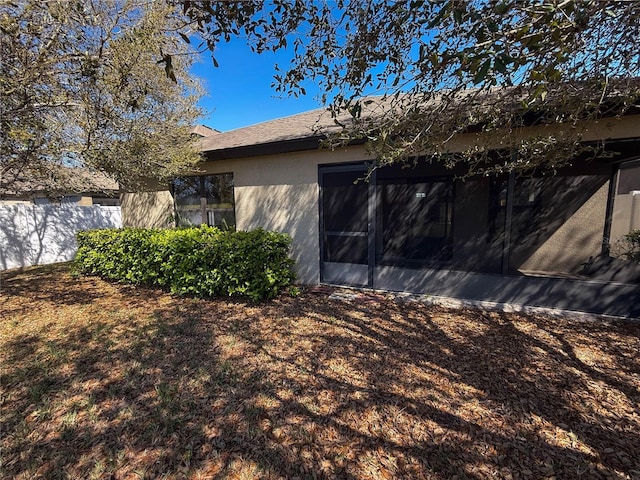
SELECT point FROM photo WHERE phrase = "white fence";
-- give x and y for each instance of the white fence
(42, 234)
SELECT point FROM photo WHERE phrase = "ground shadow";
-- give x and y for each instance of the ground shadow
(153, 385)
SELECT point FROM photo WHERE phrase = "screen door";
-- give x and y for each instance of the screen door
(345, 225)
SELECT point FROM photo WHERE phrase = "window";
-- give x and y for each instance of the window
(207, 200)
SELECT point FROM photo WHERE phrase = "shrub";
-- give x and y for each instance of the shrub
(202, 261)
(629, 246)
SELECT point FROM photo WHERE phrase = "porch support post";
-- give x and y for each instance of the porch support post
(371, 226)
(321, 224)
(608, 216)
(506, 245)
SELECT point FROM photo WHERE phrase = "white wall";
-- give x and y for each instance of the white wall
(42, 234)
(626, 214)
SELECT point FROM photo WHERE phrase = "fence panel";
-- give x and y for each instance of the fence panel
(42, 234)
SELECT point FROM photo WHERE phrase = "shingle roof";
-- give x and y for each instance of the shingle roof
(314, 124)
(294, 127)
(55, 180)
(204, 131)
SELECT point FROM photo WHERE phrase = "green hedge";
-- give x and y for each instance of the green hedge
(202, 261)
(630, 246)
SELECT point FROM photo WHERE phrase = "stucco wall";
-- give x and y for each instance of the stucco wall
(85, 201)
(147, 209)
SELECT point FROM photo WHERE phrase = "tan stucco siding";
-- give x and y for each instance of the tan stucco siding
(604, 129)
(147, 209)
(289, 209)
(283, 169)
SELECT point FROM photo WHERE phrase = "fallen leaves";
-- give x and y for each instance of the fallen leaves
(110, 381)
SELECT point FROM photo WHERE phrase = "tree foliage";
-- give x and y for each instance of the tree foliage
(104, 83)
(98, 84)
(447, 67)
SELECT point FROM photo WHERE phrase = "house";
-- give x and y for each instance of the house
(534, 240)
(58, 185)
(204, 131)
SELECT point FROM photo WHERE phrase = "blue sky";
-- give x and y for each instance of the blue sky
(239, 91)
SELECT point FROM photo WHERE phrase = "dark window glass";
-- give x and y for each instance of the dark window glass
(205, 200)
(218, 193)
(187, 195)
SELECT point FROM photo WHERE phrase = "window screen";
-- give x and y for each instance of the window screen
(345, 228)
(415, 220)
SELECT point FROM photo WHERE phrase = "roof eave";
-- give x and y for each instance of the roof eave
(271, 148)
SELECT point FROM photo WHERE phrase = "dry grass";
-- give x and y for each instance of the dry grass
(110, 381)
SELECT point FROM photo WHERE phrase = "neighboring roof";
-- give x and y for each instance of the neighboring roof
(56, 180)
(204, 131)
